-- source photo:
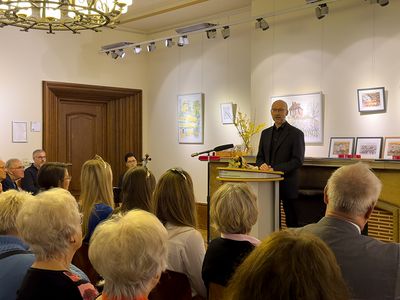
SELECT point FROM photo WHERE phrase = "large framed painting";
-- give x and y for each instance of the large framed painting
(371, 100)
(191, 118)
(341, 146)
(369, 147)
(306, 113)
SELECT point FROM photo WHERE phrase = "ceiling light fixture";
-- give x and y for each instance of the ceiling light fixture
(211, 34)
(114, 54)
(321, 11)
(169, 43)
(151, 47)
(183, 40)
(383, 2)
(62, 15)
(226, 32)
(137, 49)
(261, 23)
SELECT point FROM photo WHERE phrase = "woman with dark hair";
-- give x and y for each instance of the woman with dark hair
(52, 175)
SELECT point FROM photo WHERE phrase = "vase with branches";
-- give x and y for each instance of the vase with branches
(246, 129)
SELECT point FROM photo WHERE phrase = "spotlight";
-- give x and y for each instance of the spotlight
(120, 53)
(261, 23)
(114, 54)
(321, 11)
(211, 34)
(226, 32)
(383, 2)
(169, 43)
(183, 40)
(137, 49)
(151, 47)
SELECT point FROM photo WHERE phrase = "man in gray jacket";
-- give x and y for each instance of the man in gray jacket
(370, 267)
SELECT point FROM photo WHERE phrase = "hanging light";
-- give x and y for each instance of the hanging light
(226, 32)
(62, 15)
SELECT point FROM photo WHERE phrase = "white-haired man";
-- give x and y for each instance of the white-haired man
(370, 267)
(15, 171)
(30, 180)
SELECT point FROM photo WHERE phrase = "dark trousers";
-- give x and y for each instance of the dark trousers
(290, 212)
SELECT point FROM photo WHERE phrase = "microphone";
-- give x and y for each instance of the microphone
(218, 148)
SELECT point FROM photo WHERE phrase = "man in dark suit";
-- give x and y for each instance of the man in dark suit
(282, 148)
(30, 181)
(370, 267)
(15, 171)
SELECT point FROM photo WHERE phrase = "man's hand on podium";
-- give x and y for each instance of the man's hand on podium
(265, 167)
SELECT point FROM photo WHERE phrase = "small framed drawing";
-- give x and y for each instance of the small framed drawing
(19, 132)
(369, 147)
(341, 146)
(371, 99)
(190, 118)
(227, 113)
(392, 147)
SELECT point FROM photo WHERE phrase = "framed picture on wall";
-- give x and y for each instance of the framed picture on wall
(369, 147)
(19, 132)
(190, 118)
(228, 113)
(306, 113)
(391, 148)
(341, 146)
(371, 100)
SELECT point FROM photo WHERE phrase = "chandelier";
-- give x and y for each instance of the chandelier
(62, 15)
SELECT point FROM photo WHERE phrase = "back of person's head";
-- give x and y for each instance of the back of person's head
(96, 187)
(129, 251)
(234, 208)
(10, 205)
(52, 175)
(48, 221)
(289, 265)
(353, 189)
(173, 199)
(137, 189)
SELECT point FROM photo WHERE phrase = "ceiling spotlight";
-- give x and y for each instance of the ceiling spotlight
(120, 53)
(137, 49)
(261, 23)
(114, 54)
(211, 34)
(151, 47)
(183, 40)
(169, 43)
(321, 11)
(226, 32)
(383, 2)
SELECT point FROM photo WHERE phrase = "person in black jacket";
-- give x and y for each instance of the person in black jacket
(30, 180)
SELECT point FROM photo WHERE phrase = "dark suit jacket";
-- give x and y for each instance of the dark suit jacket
(8, 184)
(30, 180)
(370, 267)
(288, 157)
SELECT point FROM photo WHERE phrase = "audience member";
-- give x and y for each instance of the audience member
(15, 171)
(137, 189)
(233, 213)
(174, 205)
(3, 173)
(54, 238)
(129, 251)
(130, 162)
(30, 180)
(96, 197)
(370, 267)
(53, 174)
(288, 266)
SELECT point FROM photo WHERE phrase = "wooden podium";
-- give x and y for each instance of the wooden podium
(265, 185)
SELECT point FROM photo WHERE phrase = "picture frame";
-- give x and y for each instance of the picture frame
(371, 100)
(340, 146)
(190, 118)
(306, 112)
(369, 147)
(391, 147)
(228, 113)
(19, 132)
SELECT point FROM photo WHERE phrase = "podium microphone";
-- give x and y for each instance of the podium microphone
(218, 148)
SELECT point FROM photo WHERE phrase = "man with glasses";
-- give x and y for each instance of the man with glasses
(3, 173)
(15, 171)
(30, 181)
(282, 148)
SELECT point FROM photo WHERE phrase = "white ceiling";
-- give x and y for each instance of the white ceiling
(152, 16)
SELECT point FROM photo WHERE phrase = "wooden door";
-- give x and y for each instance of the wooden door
(80, 121)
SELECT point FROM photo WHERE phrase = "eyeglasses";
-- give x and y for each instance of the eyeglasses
(279, 110)
(179, 171)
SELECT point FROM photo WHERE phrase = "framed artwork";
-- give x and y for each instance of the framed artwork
(371, 99)
(306, 113)
(341, 146)
(190, 118)
(228, 112)
(369, 147)
(391, 148)
(19, 132)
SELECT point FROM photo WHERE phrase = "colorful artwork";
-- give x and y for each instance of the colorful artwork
(190, 119)
(392, 148)
(369, 147)
(371, 100)
(341, 146)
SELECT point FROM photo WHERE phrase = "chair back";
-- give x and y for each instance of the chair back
(81, 260)
(215, 291)
(172, 286)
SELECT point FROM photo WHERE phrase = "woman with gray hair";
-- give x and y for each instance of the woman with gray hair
(130, 252)
(54, 238)
(233, 213)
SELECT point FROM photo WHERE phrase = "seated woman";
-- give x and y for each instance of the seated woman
(129, 251)
(288, 265)
(233, 213)
(51, 225)
(138, 186)
(174, 205)
(96, 197)
(53, 174)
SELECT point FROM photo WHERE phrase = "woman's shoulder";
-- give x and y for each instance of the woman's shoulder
(86, 289)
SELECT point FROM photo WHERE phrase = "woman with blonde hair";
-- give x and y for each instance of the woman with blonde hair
(289, 265)
(174, 205)
(96, 197)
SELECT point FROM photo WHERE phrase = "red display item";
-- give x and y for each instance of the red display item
(209, 158)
